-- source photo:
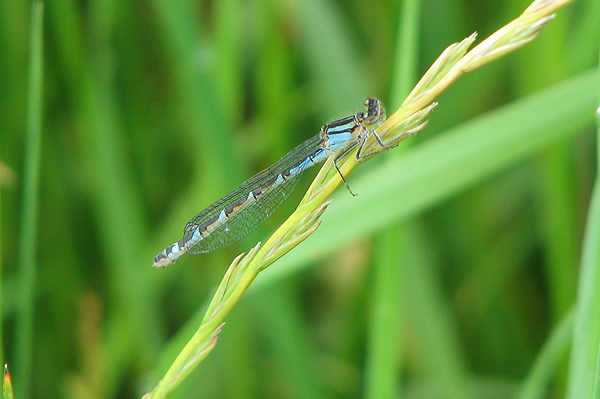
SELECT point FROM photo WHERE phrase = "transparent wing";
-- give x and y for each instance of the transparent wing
(239, 213)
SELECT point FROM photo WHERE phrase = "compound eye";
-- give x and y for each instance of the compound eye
(374, 110)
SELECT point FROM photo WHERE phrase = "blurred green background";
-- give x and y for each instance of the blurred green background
(443, 278)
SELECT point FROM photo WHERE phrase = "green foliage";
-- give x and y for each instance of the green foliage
(153, 110)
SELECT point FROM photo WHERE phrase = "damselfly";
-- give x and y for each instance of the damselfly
(242, 210)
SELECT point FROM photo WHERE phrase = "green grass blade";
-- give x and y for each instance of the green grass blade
(29, 219)
(583, 372)
(548, 360)
(383, 357)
